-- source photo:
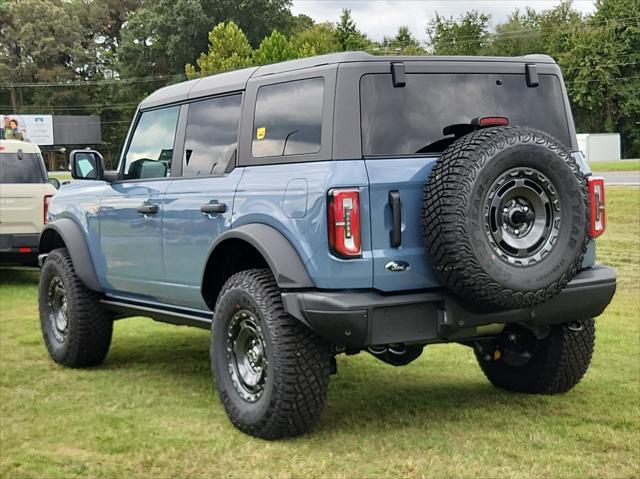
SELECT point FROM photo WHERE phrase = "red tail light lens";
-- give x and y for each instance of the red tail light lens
(597, 212)
(344, 222)
(45, 209)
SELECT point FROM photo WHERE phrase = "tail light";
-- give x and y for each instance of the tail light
(344, 222)
(45, 209)
(597, 213)
(491, 121)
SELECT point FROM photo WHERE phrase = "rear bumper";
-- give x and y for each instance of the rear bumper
(359, 319)
(19, 249)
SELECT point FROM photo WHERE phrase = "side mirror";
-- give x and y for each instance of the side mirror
(55, 182)
(86, 165)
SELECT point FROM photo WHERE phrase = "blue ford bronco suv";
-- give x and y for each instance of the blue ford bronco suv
(338, 204)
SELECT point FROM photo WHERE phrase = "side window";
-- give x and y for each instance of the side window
(212, 135)
(151, 147)
(288, 118)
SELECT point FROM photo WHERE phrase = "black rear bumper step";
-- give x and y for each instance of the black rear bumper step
(359, 319)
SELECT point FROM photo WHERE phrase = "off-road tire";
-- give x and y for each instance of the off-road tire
(559, 362)
(298, 361)
(455, 224)
(89, 326)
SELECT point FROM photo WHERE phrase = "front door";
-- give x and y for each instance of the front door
(198, 205)
(131, 209)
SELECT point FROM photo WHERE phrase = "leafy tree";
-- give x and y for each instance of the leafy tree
(520, 34)
(404, 43)
(277, 48)
(321, 38)
(229, 49)
(603, 74)
(466, 35)
(301, 23)
(161, 37)
(41, 43)
(347, 34)
(256, 18)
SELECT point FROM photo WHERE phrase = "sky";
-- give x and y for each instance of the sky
(378, 18)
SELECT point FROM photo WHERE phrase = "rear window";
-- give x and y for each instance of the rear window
(29, 169)
(403, 121)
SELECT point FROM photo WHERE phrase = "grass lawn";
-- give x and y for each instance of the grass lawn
(151, 409)
(622, 165)
(60, 175)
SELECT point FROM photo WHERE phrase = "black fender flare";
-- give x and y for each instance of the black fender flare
(282, 258)
(75, 242)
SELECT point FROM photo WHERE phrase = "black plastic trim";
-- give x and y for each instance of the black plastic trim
(162, 313)
(74, 240)
(358, 319)
(282, 258)
(396, 214)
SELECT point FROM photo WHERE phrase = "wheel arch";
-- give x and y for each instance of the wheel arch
(65, 233)
(251, 246)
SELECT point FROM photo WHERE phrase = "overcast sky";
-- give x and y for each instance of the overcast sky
(378, 18)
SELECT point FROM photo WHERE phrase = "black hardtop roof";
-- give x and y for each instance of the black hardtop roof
(237, 80)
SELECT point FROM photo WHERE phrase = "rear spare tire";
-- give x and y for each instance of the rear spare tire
(505, 217)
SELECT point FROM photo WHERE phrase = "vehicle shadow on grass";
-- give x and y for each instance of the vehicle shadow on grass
(363, 395)
(19, 276)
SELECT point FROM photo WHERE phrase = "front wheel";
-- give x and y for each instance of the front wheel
(75, 326)
(518, 360)
(272, 373)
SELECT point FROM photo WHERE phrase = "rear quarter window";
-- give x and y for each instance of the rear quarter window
(29, 169)
(288, 118)
(402, 121)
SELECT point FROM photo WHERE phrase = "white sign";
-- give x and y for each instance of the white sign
(37, 129)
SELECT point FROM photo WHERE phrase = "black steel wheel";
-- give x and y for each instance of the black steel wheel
(505, 218)
(75, 326)
(58, 309)
(247, 355)
(522, 216)
(271, 372)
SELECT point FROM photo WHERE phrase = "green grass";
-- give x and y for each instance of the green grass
(622, 165)
(61, 175)
(151, 410)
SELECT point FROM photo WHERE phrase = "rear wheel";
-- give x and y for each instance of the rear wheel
(76, 328)
(550, 363)
(272, 373)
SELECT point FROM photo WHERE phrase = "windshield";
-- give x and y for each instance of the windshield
(403, 121)
(29, 169)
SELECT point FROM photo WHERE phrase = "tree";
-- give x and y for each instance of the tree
(321, 38)
(41, 43)
(256, 18)
(404, 43)
(520, 35)
(277, 48)
(602, 73)
(161, 37)
(348, 36)
(229, 49)
(467, 35)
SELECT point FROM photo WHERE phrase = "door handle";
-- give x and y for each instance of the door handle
(147, 209)
(213, 208)
(396, 212)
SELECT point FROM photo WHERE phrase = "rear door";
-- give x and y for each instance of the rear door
(401, 140)
(198, 205)
(131, 209)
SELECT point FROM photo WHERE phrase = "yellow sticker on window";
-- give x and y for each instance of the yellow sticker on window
(261, 132)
